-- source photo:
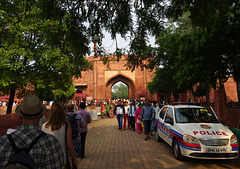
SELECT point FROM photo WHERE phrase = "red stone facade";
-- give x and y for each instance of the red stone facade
(230, 90)
(97, 83)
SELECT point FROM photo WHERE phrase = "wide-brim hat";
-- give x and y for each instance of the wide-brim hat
(30, 107)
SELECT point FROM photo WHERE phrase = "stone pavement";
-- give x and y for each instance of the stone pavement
(109, 148)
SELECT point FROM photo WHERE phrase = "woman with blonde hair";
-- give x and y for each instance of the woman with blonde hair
(56, 125)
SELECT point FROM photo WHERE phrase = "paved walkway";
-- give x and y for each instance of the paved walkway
(109, 148)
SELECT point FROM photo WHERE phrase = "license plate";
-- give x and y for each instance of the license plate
(216, 150)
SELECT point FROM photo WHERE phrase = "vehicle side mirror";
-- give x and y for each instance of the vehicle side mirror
(169, 121)
(223, 122)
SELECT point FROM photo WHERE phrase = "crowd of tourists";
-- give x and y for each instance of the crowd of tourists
(4, 103)
(55, 138)
(52, 138)
(132, 114)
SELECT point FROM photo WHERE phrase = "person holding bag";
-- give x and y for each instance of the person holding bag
(59, 127)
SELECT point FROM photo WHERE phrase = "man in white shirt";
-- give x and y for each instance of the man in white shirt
(131, 114)
(119, 111)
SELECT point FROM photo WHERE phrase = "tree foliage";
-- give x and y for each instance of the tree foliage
(218, 44)
(163, 82)
(44, 94)
(201, 44)
(43, 42)
(120, 91)
(63, 96)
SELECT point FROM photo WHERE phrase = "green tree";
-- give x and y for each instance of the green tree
(172, 43)
(218, 43)
(44, 94)
(43, 42)
(163, 82)
(120, 91)
(202, 48)
(64, 96)
(39, 47)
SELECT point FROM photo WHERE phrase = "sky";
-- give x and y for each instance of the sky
(110, 45)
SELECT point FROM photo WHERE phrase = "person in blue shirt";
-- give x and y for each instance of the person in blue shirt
(147, 115)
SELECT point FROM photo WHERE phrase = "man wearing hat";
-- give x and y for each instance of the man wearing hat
(46, 152)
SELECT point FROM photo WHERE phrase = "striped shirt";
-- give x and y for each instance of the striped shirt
(47, 152)
(86, 117)
(80, 122)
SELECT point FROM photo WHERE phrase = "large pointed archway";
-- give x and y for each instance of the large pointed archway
(97, 82)
(123, 79)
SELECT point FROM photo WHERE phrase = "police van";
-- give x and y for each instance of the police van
(194, 131)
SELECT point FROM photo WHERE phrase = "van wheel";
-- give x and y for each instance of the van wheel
(177, 151)
(158, 138)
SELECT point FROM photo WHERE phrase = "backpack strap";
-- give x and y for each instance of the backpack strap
(67, 158)
(66, 127)
(34, 142)
(12, 143)
(72, 115)
(16, 150)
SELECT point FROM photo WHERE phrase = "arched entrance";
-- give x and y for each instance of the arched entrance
(96, 83)
(123, 79)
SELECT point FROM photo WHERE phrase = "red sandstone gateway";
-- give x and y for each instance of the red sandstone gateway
(195, 132)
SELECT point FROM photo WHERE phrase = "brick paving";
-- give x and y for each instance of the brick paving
(109, 148)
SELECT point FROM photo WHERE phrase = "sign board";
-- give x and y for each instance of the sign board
(89, 98)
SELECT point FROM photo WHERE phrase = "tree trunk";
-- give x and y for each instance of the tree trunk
(208, 99)
(238, 90)
(11, 99)
(193, 94)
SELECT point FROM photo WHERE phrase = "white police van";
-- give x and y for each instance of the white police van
(193, 131)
